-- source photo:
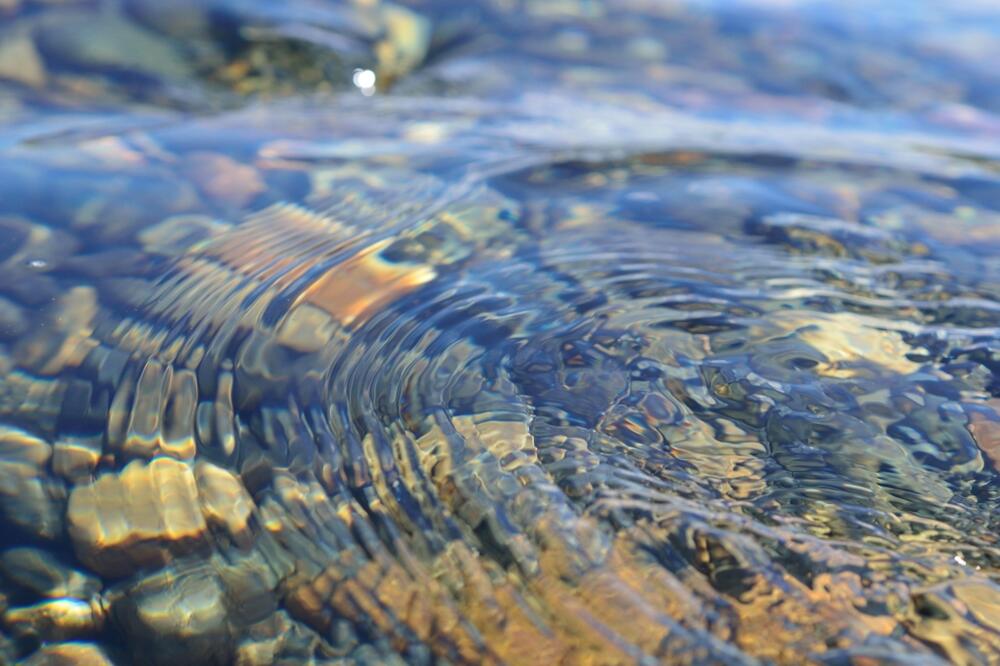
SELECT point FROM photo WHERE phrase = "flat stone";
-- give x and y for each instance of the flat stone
(140, 517)
(848, 341)
(40, 572)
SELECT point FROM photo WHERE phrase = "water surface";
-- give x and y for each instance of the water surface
(601, 332)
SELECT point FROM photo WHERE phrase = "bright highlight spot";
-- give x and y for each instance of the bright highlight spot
(364, 79)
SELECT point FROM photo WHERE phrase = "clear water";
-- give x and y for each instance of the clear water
(564, 331)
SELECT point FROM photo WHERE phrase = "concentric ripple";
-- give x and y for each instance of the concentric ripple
(532, 333)
(450, 423)
(538, 416)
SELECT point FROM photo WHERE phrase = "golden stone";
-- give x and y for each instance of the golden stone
(847, 340)
(28, 497)
(365, 283)
(75, 460)
(225, 502)
(162, 415)
(176, 617)
(55, 620)
(16, 444)
(137, 518)
(405, 45)
(153, 511)
(69, 654)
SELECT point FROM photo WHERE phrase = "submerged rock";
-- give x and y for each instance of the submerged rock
(106, 41)
(13, 321)
(151, 512)
(39, 572)
(223, 179)
(20, 61)
(140, 517)
(177, 618)
(69, 654)
(56, 620)
(29, 498)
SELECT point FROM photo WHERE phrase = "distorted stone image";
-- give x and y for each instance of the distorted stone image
(499, 332)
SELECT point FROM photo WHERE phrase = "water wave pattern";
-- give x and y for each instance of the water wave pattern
(545, 363)
(474, 425)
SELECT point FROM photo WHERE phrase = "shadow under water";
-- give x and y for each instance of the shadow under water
(582, 332)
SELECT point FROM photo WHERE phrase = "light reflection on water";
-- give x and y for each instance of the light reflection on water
(560, 332)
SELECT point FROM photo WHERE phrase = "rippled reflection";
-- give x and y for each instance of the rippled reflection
(532, 332)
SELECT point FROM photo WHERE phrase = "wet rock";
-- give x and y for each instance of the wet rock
(307, 329)
(69, 654)
(13, 321)
(20, 61)
(29, 499)
(831, 237)
(850, 343)
(280, 639)
(42, 574)
(56, 620)
(18, 446)
(114, 210)
(178, 233)
(75, 459)
(140, 517)
(155, 413)
(152, 512)
(251, 584)
(181, 18)
(223, 179)
(107, 41)
(225, 502)
(176, 618)
(407, 37)
(965, 607)
(985, 429)
(28, 251)
(64, 341)
(25, 398)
